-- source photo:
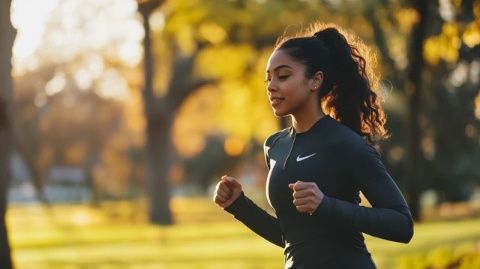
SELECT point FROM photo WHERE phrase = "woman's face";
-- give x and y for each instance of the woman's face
(287, 87)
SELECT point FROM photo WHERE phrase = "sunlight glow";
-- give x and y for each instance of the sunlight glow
(428, 146)
(475, 72)
(83, 79)
(234, 146)
(56, 84)
(89, 70)
(477, 107)
(157, 21)
(52, 31)
(459, 74)
(446, 10)
(131, 53)
(29, 18)
(81, 218)
(95, 65)
(113, 85)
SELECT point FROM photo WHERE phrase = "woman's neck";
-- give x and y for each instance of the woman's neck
(303, 123)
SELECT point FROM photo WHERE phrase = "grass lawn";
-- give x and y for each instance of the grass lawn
(116, 235)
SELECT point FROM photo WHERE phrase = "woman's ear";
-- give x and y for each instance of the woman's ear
(317, 81)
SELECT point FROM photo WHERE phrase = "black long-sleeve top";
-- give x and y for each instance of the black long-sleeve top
(342, 164)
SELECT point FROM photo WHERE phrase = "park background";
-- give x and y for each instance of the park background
(118, 117)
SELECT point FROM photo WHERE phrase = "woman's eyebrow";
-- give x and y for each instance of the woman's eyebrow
(279, 67)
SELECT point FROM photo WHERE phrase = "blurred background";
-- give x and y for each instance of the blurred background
(117, 118)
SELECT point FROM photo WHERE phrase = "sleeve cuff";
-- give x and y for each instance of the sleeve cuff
(325, 208)
(237, 205)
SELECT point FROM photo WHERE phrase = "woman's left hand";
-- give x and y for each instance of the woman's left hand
(306, 196)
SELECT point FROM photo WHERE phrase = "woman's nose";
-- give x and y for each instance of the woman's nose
(271, 86)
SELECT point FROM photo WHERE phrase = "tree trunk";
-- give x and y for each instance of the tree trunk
(92, 158)
(37, 176)
(413, 87)
(158, 163)
(7, 36)
(160, 113)
(158, 133)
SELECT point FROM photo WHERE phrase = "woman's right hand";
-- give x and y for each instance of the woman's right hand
(228, 189)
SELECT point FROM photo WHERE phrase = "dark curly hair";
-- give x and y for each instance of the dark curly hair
(348, 90)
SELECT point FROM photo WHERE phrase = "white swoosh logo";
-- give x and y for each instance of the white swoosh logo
(299, 159)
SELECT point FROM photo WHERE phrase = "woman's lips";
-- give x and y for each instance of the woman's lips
(275, 101)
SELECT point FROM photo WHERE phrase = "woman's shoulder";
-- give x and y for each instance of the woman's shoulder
(341, 131)
(346, 138)
(275, 136)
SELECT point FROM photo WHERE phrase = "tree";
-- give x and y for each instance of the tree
(451, 52)
(90, 129)
(28, 137)
(413, 88)
(158, 114)
(442, 139)
(7, 37)
(158, 131)
(85, 92)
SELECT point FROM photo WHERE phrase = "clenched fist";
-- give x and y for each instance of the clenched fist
(306, 196)
(227, 191)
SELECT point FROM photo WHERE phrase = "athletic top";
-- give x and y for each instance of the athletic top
(341, 163)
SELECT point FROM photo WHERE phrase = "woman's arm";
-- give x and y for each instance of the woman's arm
(389, 218)
(255, 218)
(258, 220)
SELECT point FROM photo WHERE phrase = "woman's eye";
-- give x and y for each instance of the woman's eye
(267, 80)
(283, 77)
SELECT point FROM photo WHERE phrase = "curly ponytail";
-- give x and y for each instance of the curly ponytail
(347, 92)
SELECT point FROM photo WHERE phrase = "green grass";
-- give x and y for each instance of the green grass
(116, 235)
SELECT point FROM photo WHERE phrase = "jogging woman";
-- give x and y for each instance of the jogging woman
(318, 166)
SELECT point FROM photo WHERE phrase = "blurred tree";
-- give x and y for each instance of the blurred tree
(158, 116)
(7, 37)
(413, 88)
(451, 143)
(81, 86)
(28, 136)
(89, 129)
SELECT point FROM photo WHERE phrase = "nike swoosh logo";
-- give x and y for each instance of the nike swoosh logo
(299, 159)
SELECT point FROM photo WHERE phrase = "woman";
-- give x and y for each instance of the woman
(318, 166)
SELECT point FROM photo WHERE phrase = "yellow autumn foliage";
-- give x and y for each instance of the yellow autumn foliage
(463, 256)
(471, 36)
(444, 46)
